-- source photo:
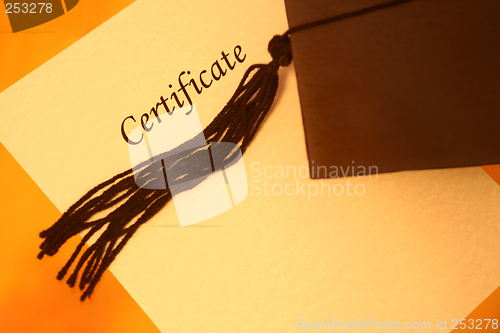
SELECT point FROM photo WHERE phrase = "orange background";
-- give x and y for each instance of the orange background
(31, 299)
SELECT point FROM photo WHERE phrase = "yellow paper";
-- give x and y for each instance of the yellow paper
(416, 246)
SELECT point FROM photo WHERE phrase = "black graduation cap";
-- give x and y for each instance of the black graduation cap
(415, 86)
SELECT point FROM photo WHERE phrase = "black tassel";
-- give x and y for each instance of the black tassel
(237, 123)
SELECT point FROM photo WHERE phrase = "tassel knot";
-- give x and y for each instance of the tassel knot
(280, 49)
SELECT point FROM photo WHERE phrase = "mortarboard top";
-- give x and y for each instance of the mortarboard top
(416, 86)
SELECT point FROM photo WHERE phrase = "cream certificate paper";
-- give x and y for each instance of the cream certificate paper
(413, 247)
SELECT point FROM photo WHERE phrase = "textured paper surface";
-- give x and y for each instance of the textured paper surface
(416, 246)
